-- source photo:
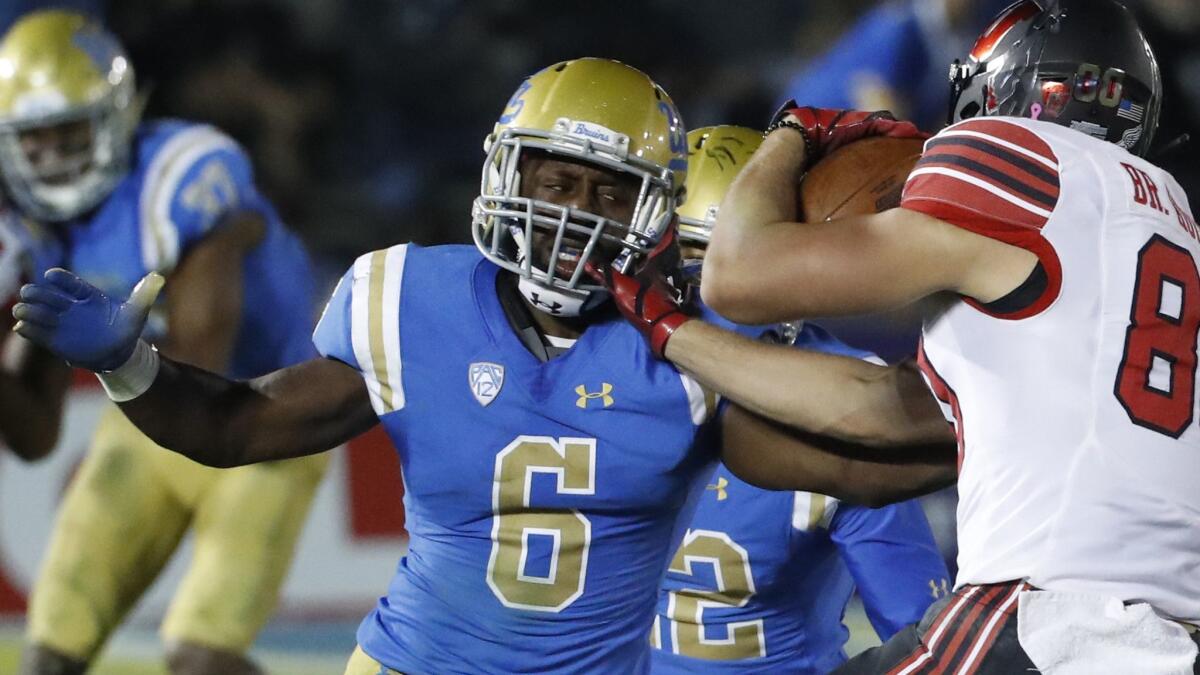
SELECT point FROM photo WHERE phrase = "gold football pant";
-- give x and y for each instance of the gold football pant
(361, 664)
(123, 516)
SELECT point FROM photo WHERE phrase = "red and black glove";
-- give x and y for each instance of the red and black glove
(645, 298)
(825, 130)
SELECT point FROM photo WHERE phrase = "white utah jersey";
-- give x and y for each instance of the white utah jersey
(1074, 400)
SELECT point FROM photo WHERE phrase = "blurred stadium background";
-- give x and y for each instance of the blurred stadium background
(366, 120)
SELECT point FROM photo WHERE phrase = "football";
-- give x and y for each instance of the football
(866, 176)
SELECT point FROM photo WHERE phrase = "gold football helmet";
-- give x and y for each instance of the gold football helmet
(68, 111)
(595, 111)
(715, 156)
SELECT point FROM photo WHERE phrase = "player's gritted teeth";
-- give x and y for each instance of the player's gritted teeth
(570, 253)
(584, 188)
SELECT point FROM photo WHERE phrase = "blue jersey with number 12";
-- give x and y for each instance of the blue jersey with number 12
(762, 578)
(543, 498)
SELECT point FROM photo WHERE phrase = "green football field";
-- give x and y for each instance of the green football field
(10, 649)
(137, 652)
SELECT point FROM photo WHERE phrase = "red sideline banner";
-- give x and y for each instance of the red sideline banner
(351, 545)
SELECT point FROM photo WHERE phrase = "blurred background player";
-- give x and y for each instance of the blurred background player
(894, 58)
(762, 578)
(1064, 352)
(116, 199)
(541, 523)
(32, 380)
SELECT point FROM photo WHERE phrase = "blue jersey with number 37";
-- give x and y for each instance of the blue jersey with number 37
(543, 498)
(762, 578)
(184, 180)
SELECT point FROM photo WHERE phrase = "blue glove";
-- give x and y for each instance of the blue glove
(79, 323)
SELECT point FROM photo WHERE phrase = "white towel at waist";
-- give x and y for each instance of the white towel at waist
(1084, 634)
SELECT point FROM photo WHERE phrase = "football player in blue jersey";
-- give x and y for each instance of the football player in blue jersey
(762, 579)
(32, 380)
(548, 453)
(113, 199)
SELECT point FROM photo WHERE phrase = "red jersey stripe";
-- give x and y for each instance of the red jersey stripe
(969, 201)
(988, 168)
(1002, 168)
(1012, 136)
(991, 630)
(970, 625)
(944, 393)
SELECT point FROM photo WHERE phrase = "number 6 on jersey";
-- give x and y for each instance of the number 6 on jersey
(515, 522)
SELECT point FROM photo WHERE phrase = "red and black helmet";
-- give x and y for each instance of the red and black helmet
(1083, 64)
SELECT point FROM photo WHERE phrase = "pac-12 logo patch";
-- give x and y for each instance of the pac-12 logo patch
(486, 379)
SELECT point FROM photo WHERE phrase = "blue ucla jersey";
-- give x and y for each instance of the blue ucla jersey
(183, 180)
(543, 498)
(762, 578)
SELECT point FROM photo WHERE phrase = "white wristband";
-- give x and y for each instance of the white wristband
(132, 378)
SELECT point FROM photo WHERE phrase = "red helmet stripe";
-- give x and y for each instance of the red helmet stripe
(1000, 27)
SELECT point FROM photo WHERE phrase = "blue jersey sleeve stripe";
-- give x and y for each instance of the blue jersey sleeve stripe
(375, 325)
(160, 235)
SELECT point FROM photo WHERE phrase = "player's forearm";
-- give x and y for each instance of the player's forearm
(216, 421)
(194, 412)
(763, 195)
(775, 457)
(824, 394)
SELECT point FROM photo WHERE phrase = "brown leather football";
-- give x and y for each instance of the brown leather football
(866, 176)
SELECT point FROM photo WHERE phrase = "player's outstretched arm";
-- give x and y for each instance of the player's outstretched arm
(775, 457)
(218, 422)
(300, 410)
(843, 398)
(831, 395)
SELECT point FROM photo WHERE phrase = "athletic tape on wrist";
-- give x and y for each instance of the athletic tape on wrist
(132, 378)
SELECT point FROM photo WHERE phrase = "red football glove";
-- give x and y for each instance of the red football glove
(646, 299)
(826, 130)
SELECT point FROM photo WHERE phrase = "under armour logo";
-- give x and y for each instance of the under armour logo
(554, 307)
(722, 495)
(939, 591)
(605, 395)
